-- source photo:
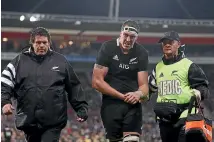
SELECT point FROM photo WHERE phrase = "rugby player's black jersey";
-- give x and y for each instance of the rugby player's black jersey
(123, 68)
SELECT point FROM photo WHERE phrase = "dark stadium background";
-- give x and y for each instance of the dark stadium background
(79, 27)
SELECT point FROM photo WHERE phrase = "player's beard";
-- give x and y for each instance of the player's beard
(126, 50)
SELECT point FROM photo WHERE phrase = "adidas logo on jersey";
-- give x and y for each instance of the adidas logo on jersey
(116, 58)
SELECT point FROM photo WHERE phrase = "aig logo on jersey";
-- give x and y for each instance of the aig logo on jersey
(124, 66)
(169, 87)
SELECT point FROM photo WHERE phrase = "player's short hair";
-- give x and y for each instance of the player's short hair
(131, 23)
(39, 31)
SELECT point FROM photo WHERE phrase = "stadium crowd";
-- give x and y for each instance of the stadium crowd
(92, 130)
(89, 131)
(89, 48)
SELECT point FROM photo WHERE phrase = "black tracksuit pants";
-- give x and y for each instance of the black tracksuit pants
(169, 133)
(42, 135)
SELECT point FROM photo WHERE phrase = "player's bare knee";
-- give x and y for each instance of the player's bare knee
(131, 138)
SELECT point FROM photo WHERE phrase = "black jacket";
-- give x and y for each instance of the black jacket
(196, 77)
(39, 84)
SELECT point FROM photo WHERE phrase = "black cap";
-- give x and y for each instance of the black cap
(171, 35)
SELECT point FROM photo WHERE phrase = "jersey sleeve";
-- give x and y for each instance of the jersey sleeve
(198, 80)
(8, 81)
(143, 60)
(152, 82)
(73, 86)
(103, 56)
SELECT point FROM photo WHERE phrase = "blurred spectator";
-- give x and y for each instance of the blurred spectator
(92, 130)
(87, 48)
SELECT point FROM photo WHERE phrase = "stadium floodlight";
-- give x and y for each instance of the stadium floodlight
(22, 18)
(78, 23)
(33, 19)
(164, 26)
(5, 39)
(70, 42)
